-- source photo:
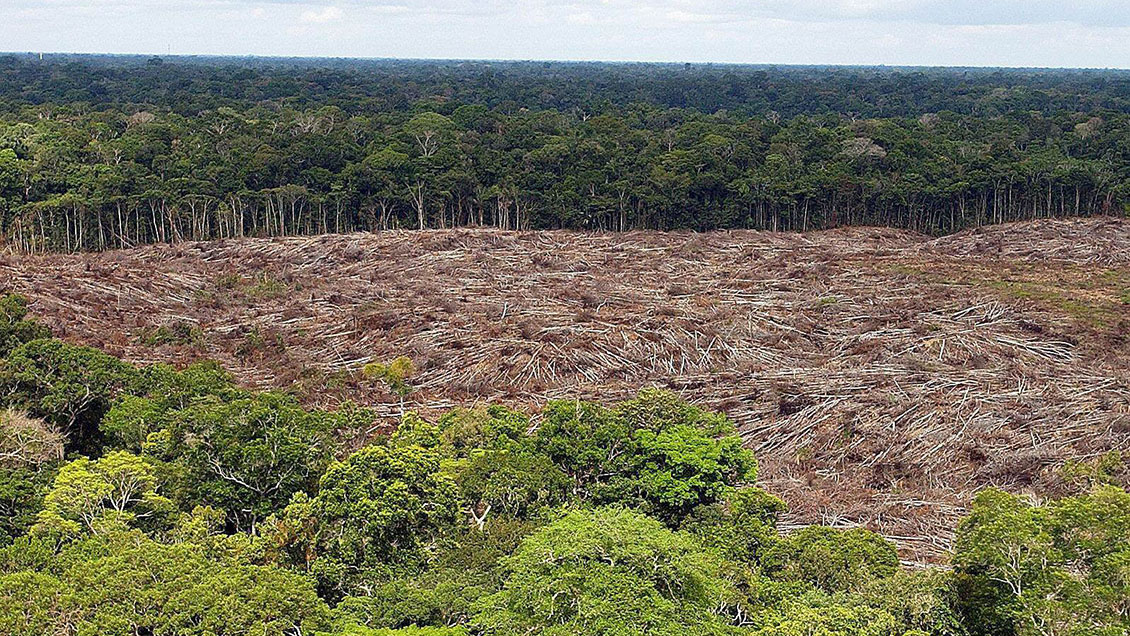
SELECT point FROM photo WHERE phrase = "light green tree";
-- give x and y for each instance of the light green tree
(124, 584)
(88, 496)
(611, 571)
(395, 375)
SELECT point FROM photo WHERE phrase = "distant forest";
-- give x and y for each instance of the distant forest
(103, 152)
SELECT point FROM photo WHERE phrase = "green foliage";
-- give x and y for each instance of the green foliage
(922, 601)
(126, 584)
(656, 452)
(610, 571)
(15, 327)
(466, 568)
(657, 410)
(804, 618)
(491, 428)
(513, 482)
(21, 498)
(381, 510)
(414, 430)
(92, 496)
(497, 468)
(677, 469)
(438, 144)
(246, 456)
(71, 387)
(177, 333)
(743, 528)
(403, 631)
(1108, 469)
(160, 390)
(832, 560)
(395, 374)
(28, 602)
(584, 439)
(1057, 568)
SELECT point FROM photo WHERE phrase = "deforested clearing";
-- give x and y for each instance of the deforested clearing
(880, 376)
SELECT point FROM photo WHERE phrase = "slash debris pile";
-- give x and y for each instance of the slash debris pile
(881, 377)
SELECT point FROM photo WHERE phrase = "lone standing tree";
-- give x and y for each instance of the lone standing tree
(395, 374)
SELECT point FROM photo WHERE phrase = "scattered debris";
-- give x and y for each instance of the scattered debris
(881, 377)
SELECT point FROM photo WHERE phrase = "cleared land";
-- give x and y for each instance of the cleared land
(881, 376)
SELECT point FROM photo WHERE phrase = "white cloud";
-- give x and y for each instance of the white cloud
(918, 32)
(321, 16)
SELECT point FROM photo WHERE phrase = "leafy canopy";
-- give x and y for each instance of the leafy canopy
(93, 496)
(1062, 567)
(610, 571)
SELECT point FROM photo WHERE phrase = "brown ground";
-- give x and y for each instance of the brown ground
(880, 376)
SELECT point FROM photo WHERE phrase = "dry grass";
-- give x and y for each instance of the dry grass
(881, 377)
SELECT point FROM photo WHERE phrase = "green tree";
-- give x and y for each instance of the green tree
(21, 499)
(160, 390)
(611, 571)
(805, 618)
(832, 560)
(496, 467)
(91, 496)
(28, 602)
(15, 327)
(924, 601)
(70, 387)
(125, 584)
(246, 456)
(743, 527)
(655, 452)
(1059, 568)
(378, 512)
(466, 568)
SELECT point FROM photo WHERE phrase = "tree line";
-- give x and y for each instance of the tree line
(161, 501)
(79, 175)
(190, 84)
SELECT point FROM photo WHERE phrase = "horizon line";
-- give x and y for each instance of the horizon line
(517, 60)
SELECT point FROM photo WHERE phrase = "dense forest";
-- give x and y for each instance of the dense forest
(151, 501)
(104, 152)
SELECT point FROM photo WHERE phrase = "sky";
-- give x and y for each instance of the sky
(1052, 33)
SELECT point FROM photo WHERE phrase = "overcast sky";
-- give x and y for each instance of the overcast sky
(1072, 33)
